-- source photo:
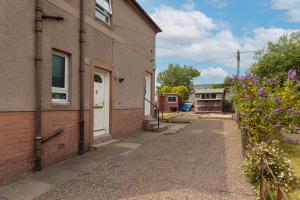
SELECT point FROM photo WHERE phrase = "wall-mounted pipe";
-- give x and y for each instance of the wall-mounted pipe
(38, 66)
(81, 74)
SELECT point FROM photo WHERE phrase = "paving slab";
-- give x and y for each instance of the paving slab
(201, 161)
(55, 175)
(26, 189)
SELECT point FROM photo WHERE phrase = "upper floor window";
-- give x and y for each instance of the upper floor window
(60, 67)
(172, 99)
(104, 10)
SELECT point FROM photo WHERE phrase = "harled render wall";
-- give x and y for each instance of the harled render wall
(115, 46)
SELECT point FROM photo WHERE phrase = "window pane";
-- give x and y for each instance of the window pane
(104, 4)
(58, 71)
(97, 78)
(101, 16)
(59, 96)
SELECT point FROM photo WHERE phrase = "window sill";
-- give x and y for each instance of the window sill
(61, 103)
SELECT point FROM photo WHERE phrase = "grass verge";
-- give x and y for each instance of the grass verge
(293, 151)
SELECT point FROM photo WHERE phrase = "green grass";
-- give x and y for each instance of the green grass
(293, 151)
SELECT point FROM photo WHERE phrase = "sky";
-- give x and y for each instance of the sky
(207, 33)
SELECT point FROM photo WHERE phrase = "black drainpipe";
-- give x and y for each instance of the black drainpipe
(81, 74)
(38, 66)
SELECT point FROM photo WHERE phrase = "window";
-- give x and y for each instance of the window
(60, 65)
(172, 99)
(97, 78)
(173, 109)
(104, 10)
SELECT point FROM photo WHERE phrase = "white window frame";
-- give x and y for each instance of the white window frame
(172, 101)
(64, 90)
(105, 11)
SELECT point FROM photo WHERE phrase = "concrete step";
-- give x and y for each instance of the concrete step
(149, 120)
(150, 125)
(162, 127)
(102, 138)
(98, 145)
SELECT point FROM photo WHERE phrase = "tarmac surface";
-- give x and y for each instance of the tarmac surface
(200, 160)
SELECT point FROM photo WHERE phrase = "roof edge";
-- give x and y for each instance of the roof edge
(144, 14)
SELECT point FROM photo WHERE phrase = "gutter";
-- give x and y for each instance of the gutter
(81, 74)
(39, 17)
(38, 66)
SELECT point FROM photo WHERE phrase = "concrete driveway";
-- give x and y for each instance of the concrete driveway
(201, 161)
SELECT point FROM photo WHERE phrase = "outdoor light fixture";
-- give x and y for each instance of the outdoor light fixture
(121, 80)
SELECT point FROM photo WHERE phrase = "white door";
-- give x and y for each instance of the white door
(147, 94)
(100, 105)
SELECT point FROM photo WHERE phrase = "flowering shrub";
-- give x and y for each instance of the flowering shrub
(276, 160)
(266, 106)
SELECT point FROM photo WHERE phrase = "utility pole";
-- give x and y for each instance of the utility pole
(238, 58)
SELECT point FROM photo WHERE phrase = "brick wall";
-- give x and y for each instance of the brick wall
(16, 143)
(125, 122)
(166, 106)
(17, 139)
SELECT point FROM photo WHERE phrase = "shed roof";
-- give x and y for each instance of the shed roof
(210, 91)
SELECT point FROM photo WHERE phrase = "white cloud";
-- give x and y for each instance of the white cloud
(213, 73)
(189, 5)
(193, 35)
(292, 7)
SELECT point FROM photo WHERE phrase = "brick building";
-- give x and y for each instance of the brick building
(169, 102)
(71, 74)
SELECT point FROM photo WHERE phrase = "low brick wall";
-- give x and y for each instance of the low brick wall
(17, 140)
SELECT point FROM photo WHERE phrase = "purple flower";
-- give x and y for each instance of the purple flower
(278, 110)
(255, 82)
(245, 128)
(292, 74)
(291, 111)
(261, 90)
(267, 117)
(278, 100)
(278, 126)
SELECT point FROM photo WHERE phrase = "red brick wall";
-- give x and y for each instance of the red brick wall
(125, 122)
(166, 106)
(17, 139)
(66, 144)
(16, 143)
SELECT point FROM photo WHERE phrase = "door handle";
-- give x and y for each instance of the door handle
(98, 106)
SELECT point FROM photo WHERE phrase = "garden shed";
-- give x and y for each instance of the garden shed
(209, 100)
(170, 102)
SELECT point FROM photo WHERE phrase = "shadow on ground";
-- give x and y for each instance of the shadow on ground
(202, 161)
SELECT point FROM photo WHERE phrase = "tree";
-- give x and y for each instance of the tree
(228, 80)
(165, 89)
(181, 90)
(280, 57)
(177, 75)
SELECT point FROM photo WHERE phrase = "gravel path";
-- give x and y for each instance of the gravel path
(202, 161)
